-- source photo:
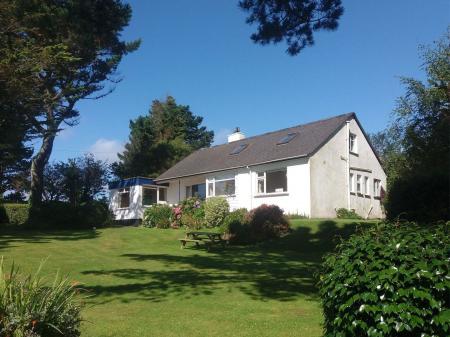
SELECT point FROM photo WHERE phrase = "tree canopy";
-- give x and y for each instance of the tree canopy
(68, 50)
(157, 141)
(293, 21)
(415, 148)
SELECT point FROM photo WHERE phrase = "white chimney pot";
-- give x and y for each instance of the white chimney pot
(236, 135)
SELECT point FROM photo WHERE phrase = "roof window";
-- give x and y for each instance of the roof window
(286, 139)
(238, 149)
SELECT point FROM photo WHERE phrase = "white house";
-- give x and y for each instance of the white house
(311, 169)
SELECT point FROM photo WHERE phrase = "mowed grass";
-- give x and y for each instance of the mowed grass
(140, 283)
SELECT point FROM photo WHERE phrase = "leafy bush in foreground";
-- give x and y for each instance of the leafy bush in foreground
(389, 280)
(159, 216)
(216, 209)
(29, 308)
(344, 213)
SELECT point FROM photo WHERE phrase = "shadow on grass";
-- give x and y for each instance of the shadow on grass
(280, 270)
(8, 236)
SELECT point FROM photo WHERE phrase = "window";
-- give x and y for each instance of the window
(366, 186)
(239, 149)
(149, 196)
(358, 184)
(286, 139)
(353, 146)
(352, 183)
(198, 190)
(162, 194)
(376, 188)
(221, 187)
(272, 182)
(124, 198)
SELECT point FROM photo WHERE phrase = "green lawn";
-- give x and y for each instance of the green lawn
(142, 284)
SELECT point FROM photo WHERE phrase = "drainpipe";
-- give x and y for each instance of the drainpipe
(251, 186)
(179, 191)
(348, 164)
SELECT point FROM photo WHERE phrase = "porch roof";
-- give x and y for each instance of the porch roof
(134, 181)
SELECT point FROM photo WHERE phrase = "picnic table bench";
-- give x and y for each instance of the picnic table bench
(207, 238)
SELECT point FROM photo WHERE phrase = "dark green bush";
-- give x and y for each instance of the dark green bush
(14, 214)
(389, 280)
(32, 307)
(159, 216)
(216, 209)
(260, 224)
(62, 215)
(344, 213)
(3, 215)
(267, 222)
(423, 198)
(235, 227)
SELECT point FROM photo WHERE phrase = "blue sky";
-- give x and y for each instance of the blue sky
(200, 53)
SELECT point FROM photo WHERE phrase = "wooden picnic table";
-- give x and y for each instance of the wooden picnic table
(197, 237)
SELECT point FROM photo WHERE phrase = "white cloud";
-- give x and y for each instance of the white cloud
(221, 136)
(106, 149)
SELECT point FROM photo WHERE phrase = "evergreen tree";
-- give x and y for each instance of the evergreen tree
(291, 20)
(73, 47)
(157, 141)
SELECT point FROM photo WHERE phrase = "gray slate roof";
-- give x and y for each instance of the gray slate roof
(261, 149)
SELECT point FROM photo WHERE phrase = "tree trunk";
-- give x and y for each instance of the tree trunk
(37, 170)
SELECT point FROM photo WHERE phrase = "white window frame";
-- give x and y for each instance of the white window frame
(366, 186)
(125, 190)
(376, 188)
(263, 178)
(351, 179)
(358, 184)
(353, 143)
(213, 181)
(157, 195)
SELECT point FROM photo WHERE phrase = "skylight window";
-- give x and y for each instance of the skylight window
(239, 149)
(286, 139)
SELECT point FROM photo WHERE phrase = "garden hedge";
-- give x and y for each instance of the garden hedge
(14, 214)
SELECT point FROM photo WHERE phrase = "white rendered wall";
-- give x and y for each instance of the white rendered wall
(294, 201)
(329, 176)
(135, 211)
(366, 159)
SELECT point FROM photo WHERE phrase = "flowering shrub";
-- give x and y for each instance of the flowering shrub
(28, 308)
(389, 280)
(192, 213)
(216, 209)
(158, 215)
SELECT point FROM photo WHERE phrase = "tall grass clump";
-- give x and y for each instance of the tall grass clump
(31, 307)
